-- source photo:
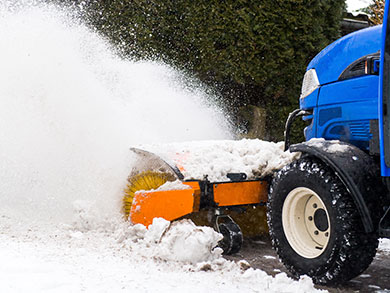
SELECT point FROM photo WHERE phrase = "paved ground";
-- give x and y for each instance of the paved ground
(259, 253)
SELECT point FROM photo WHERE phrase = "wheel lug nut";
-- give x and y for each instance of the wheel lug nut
(316, 232)
(310, 218)
(315, 205)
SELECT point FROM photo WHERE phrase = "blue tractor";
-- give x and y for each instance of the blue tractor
(327, 210)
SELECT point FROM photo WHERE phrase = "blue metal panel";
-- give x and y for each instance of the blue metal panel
(353, 125)
(311, 130)
(328, 114)
(356, 89)
(385, 170)
(310, 101)
(331, 61)
(344, 110)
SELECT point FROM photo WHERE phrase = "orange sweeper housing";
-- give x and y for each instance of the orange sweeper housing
(146, 198)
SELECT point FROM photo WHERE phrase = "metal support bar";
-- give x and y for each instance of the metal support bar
(290, 120)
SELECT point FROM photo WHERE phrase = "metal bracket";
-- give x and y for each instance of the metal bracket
(224, 218)
(291, 117)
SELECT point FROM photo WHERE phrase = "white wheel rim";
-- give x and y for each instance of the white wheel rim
(306, 222)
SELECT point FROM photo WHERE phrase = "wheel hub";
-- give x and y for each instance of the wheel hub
(306, 222)
(321, 220)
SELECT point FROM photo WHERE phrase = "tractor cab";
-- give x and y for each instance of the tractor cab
(340, 90)
(346, 92)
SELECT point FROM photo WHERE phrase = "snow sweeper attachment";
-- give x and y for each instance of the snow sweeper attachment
(156, 188)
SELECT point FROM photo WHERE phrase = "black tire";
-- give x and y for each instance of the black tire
(349, 249)
(232, 238)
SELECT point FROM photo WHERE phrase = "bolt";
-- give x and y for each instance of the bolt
(315, 205)
(316, 232)
(310, 218)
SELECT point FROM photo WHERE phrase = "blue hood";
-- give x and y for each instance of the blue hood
(332, 61)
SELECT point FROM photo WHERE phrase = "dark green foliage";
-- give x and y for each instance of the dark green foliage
(253, 51)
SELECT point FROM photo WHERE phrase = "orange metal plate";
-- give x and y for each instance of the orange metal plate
(240, 193)
(167, 204)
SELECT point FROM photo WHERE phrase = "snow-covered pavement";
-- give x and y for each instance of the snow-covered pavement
(128, 259)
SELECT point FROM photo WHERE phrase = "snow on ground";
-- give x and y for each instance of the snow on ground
(166, 258)
(69, 111)
(216, 159)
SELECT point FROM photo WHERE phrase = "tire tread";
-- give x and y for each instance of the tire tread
(356, 249)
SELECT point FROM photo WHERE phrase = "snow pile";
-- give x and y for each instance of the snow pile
(179, 241)
(216, 159)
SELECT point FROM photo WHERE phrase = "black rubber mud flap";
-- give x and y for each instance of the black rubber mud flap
(358, 172)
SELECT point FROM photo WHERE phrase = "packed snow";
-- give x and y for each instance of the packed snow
(333, 146)
(69, 111)
(256, 158)
(384, 245)
(174, 185)
(169, 185)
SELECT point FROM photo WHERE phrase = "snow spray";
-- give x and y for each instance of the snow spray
(70, 109)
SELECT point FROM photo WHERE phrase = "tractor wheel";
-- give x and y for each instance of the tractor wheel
(232, 237)
(315, 226)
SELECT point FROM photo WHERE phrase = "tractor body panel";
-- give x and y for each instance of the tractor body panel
(334, 59)
(384, 97)
(346, 108)
(345, 101)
